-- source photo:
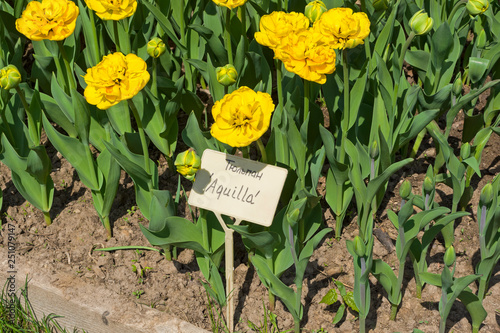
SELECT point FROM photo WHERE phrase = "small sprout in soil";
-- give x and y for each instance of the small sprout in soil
(462, 231)
(138, 293)
(132, 210)
(8, 216)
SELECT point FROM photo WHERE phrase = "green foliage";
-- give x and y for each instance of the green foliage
(360, 136)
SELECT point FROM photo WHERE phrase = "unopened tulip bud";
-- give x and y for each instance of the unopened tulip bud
(9, 77)
(481, 40)
(457, 86)
(428, 185)
(187, 164)
(486, 196)
(314, 10)
(374, 151)
(405, 190)
(293, 216)
(380, 5)
(227, 75)
(156, 47)
(465, 151)
(476, 7)
(449, 256)
(421, 23)
(359, 246)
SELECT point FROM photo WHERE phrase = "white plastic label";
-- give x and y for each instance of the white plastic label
(238, 187)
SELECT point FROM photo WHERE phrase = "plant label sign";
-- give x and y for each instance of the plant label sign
(238, 187)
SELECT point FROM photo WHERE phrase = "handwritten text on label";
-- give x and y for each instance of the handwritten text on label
(238, 187)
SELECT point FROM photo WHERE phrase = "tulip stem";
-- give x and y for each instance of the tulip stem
(96, 49)
(307, 94)
(154, 84)
(404, 49)
(243, 19)
(33, 131)
(279, 78)
(345, 115)
(107, 226)
(144, 143)
(187, 66)
(117, 38)
(227, 37)
(262, 150)
(69, 72)
(45, 200)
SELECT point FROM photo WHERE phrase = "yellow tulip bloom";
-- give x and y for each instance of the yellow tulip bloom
(241, 117)
(343, 28)
(307, 55)
(49, 19)
(231, 4)
(278, 25)
(112, 9)
(116, 78)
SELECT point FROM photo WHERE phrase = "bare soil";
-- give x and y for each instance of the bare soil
(175, 287)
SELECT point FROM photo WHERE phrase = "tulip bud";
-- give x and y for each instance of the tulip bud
(465, 151)
(457, 85)
(187, 164)
(405, 190)
(359, 246)
(476, 7)
(481, 40)
(380, 4)
(486, 196)
(428, 185)
(374, 151)
(421, 23)
(293, 216)
(227, 75)
(9, 77)
(314, 10)
(156, 47)
(449, 256)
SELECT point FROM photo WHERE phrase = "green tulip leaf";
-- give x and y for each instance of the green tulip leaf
(330, 297)
(477, 68)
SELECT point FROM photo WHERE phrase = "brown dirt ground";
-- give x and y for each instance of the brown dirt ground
(174, 286)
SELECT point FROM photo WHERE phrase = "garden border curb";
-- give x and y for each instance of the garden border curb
(101, 312)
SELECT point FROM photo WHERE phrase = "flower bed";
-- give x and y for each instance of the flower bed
(383, 117)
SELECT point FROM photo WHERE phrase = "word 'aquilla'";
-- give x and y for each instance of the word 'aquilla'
(242, 192)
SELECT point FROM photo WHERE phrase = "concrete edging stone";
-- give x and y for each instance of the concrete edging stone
(101, 311)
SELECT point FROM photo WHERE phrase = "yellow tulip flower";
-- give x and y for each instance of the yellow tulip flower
(241, 117)
(116, 78)
(306, 55)
(278, 25)
(49, 19)
(112, 9)
(231, 4)
(343, 28)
